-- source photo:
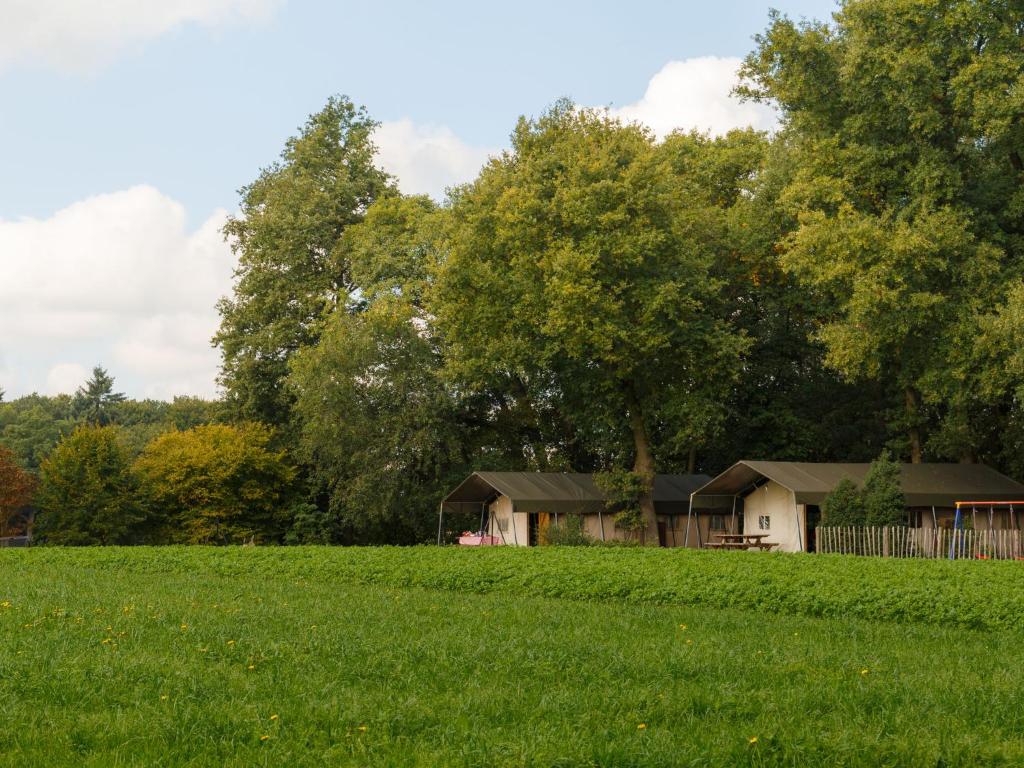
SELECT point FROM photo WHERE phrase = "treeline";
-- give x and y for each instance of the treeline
(599, 300)
(97, 468)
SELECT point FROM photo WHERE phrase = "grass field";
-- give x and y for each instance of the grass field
(314, 657)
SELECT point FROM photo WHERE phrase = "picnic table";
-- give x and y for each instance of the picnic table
(741, 541)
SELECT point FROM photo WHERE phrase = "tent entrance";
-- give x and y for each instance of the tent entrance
(537, 526)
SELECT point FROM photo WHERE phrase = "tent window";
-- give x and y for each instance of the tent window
(718, 522)
(764, 522)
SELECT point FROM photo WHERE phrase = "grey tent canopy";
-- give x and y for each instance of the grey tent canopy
(565, 493)
(924, 485)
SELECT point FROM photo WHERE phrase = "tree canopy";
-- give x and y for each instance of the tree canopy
(293, 264)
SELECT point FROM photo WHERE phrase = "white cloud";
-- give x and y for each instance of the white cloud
(65, 378)
(73, 35)
(689, 94)
(695, 93)
(115, 279)
(427, 158)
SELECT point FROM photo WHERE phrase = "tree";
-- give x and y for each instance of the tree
(844, 505)
(884, 503)
(17, 487)
(581, 262)
(96, 400)
(31, 426)
(217, 484)
(379, 426)
(86, 493)
(903, 127)
(293, 267)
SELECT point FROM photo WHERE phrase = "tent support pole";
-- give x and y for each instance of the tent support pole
(799, 525)
(515, 533)
(501, 533)
(483, 507)
(732, 523)
(689, 514)
(600, 522)
(440, 523)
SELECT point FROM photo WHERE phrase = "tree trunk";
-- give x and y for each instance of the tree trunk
(691, 463)
(913, 401)
(643, 465)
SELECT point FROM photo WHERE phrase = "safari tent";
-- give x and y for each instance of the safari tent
(783, 498)
(516, 507)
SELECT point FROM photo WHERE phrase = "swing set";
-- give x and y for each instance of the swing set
(958, 541)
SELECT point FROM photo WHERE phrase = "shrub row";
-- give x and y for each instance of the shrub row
(984, 595)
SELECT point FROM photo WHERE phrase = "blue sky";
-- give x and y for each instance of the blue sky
(146, 116)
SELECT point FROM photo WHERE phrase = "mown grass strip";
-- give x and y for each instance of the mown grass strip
(185, 666)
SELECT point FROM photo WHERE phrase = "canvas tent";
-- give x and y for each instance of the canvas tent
(782, 498)
(515, 506)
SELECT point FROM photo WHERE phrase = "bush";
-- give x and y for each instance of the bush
(879, 502)
(217, 484)
(87, 494)
(567, 532)
(844, 505)
(310, 525)
(884, 503)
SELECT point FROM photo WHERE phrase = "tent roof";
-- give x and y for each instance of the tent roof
(565, 492)
(924, 485)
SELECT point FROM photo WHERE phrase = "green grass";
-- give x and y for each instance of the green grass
(125, 657)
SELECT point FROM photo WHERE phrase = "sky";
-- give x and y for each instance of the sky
(127, 127)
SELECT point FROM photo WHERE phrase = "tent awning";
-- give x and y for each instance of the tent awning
(565, 493)
(924, 485)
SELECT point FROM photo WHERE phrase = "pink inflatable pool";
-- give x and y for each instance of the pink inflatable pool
(470, 539)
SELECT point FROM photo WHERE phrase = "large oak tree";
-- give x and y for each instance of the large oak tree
(580, 260)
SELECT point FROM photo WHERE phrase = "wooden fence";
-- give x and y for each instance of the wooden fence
(972, 544)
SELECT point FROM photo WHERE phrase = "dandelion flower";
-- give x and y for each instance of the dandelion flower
(252, 666)
(752, 739)
(264, 737)
(231, 642)
(362, 728)
(273, 717)
(184, 627)
(641, 726)
(864, 671)
(682, 626)
(164, 697)
(5, 604)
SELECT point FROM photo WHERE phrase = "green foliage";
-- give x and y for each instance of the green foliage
(32, 425)
(884, 503)
(379, 427)
(582, 262)
(622, 491)
(216, 484)
(95, 401)
(844, 505)
(902, 137)
(293, 265)
(310, 525)
(567, 532)
(878, 502)
(87, 494)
